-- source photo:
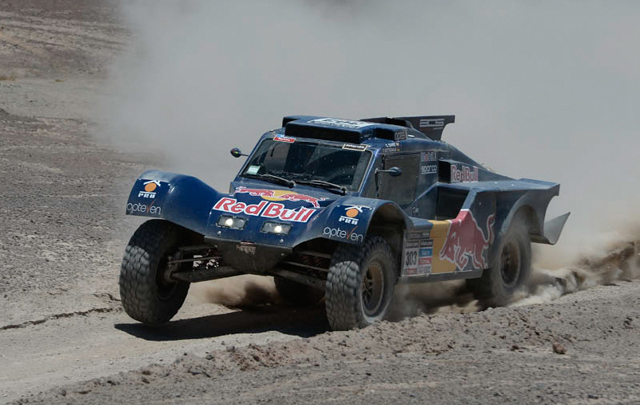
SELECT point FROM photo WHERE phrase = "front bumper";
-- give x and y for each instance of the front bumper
(249, 257)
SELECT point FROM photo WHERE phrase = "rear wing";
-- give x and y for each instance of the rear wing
(432, 125)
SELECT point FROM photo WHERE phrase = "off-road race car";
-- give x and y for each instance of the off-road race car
(342, 210)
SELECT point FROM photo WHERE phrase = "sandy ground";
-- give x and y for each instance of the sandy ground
(65, 339)
(503, 355)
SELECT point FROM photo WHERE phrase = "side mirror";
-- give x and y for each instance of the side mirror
(393, 172)
(236, 153)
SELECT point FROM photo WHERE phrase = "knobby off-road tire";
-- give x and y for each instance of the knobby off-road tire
(510, 267)
(296, 293)
(360, 284)
(146, 294)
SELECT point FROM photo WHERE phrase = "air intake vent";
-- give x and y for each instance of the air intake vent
(328, 134)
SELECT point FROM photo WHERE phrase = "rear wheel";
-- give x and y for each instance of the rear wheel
(360, 284)
(148, 293)
(296, 293)
(509, 269)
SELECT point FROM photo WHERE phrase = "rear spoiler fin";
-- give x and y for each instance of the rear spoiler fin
(430, 125)
(552, 230)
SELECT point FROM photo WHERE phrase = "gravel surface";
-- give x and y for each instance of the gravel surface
(65, 339)
(583, 347)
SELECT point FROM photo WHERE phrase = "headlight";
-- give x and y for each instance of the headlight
(227, 221)
(275, 227)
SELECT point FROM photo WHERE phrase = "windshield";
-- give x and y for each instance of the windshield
(307, 161)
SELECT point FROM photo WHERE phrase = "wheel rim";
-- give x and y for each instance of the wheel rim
(373, 285)
(510, 264)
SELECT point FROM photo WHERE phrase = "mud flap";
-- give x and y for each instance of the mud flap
(552, 230)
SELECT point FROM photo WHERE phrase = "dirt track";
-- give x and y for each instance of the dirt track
(502, 355)
(65, 339)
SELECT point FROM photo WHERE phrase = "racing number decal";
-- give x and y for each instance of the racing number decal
(417, 256)
(411, 257)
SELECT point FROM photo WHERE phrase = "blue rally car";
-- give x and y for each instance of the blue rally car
(342, 210)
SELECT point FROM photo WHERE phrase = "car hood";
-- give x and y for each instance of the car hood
(305, 212)
(299, 209)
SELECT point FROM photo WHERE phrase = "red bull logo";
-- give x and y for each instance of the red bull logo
(264, 209)
(464, 174)
(466, 242)
(279, 195)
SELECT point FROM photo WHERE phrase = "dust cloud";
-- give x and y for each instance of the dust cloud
(238, 292)
(546, 90)
(620, 263)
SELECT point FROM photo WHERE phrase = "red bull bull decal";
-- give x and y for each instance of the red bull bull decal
(279, 195)
(282, 138)
(264, 209)
(466, 243)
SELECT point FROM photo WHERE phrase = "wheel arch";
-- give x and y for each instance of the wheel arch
(377, 217)
(527, 208)
(389, 223)
(183, 200)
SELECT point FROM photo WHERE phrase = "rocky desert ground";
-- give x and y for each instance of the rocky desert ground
(65, 339)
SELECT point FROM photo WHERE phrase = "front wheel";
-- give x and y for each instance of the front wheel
(148, 293)
(510, 267)
(360, 284)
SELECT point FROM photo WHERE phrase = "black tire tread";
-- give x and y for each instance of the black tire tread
(490, 288)
(343, 281)
(138, 288)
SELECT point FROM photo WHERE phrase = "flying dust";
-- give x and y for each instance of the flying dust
(238, 292)
(543, 89)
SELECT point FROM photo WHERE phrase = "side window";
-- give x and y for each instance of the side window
(401, 189)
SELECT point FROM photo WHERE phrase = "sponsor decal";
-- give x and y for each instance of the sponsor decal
(343, 234)
(417, 257)
(253, 169)
(148, 209)
(425, 252)
(432, 123)
(149, 189)
(420, 236)
(351, 214)
(391, 147)
(249, 249)
(464, 174)
(351, 146)
(430, 156)
(334, 122)
(279, 195)
(465, 241)
(282, 138)
(428, 169)
(400, 135)
(264, 209)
